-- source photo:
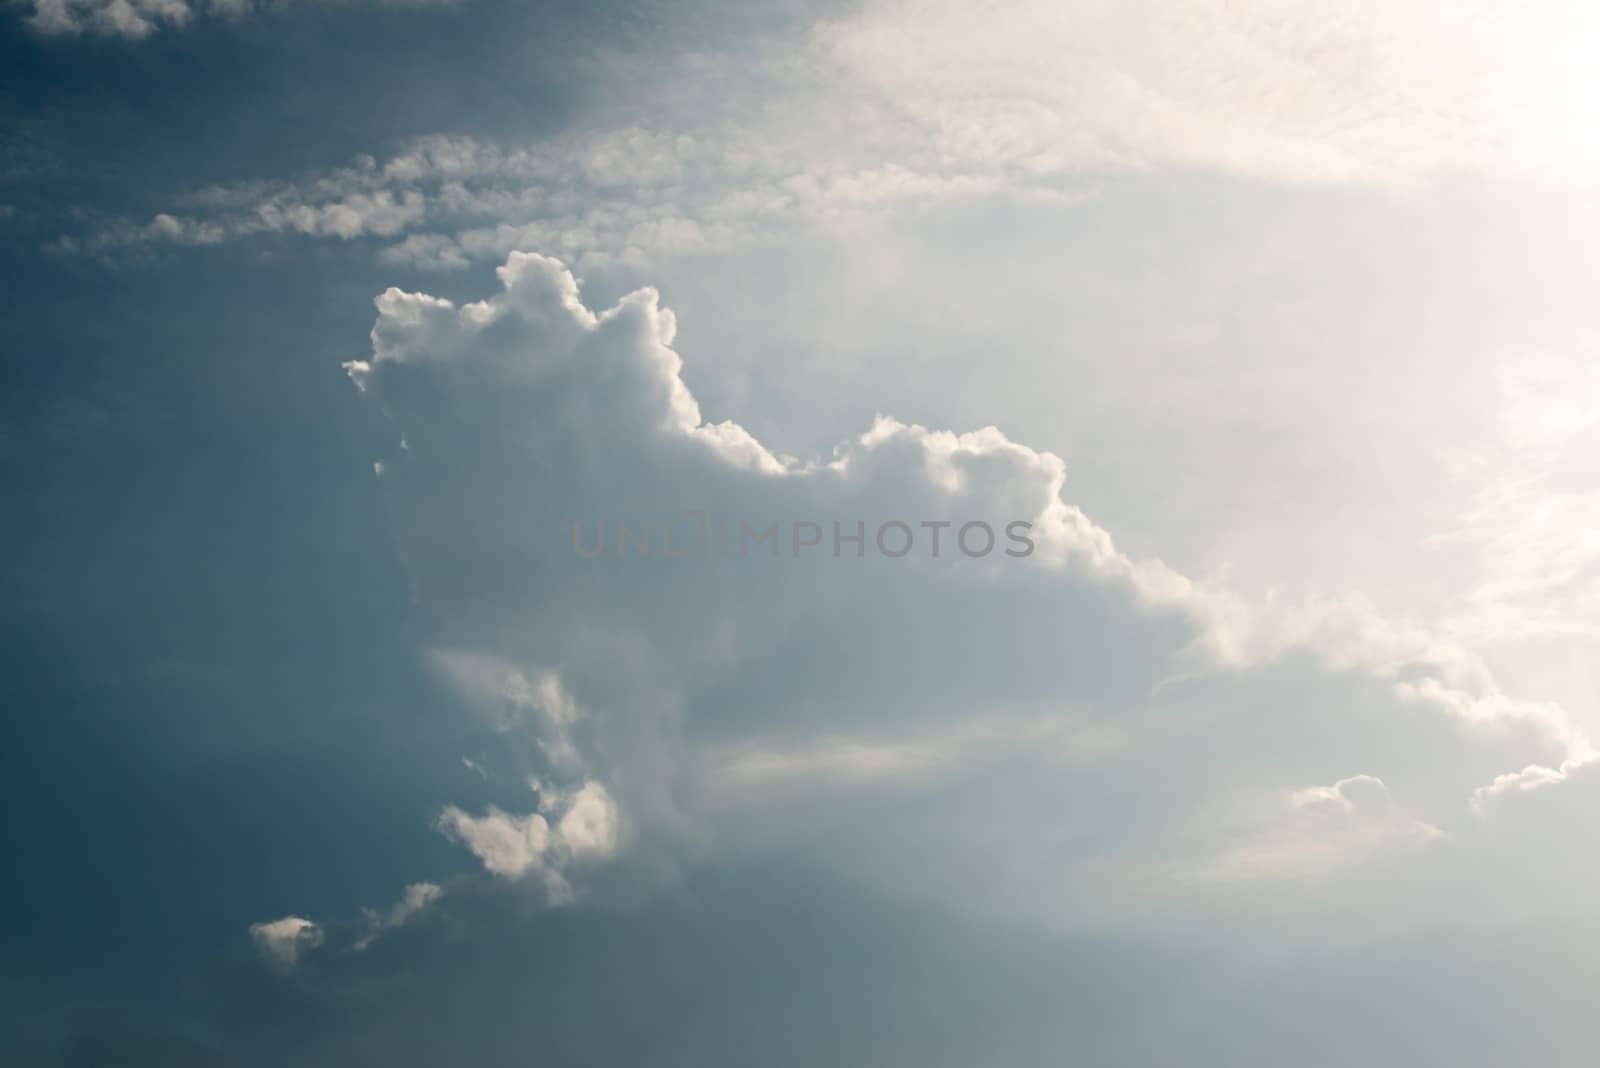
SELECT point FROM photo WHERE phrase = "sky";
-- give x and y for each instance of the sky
(855, 533)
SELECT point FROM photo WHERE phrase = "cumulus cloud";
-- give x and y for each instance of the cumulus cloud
(283, 942)
(576, 821)
(586, 827)
(728, 691)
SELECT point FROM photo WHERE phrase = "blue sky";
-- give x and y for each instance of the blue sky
(329, 321)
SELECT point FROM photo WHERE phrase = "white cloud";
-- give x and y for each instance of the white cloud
(897, 106)
(690, 696)
(587, 828)
(413, 900)
(589, 825)
(1318, 832)
(135, 19)
(739, 772)
(1534, 515)
(1303, 92)
(512, 702)
(575, 821)
(120, 18)
(508, 845)
(625, 193)
(283, 942)
(1343, 796)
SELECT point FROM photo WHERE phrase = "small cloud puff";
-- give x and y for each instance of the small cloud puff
(282, 943)
(587, 826)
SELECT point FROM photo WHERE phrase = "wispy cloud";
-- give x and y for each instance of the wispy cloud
(136, 19)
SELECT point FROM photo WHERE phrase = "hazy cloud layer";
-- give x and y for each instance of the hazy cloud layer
(906, 105)
(1302, 92)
